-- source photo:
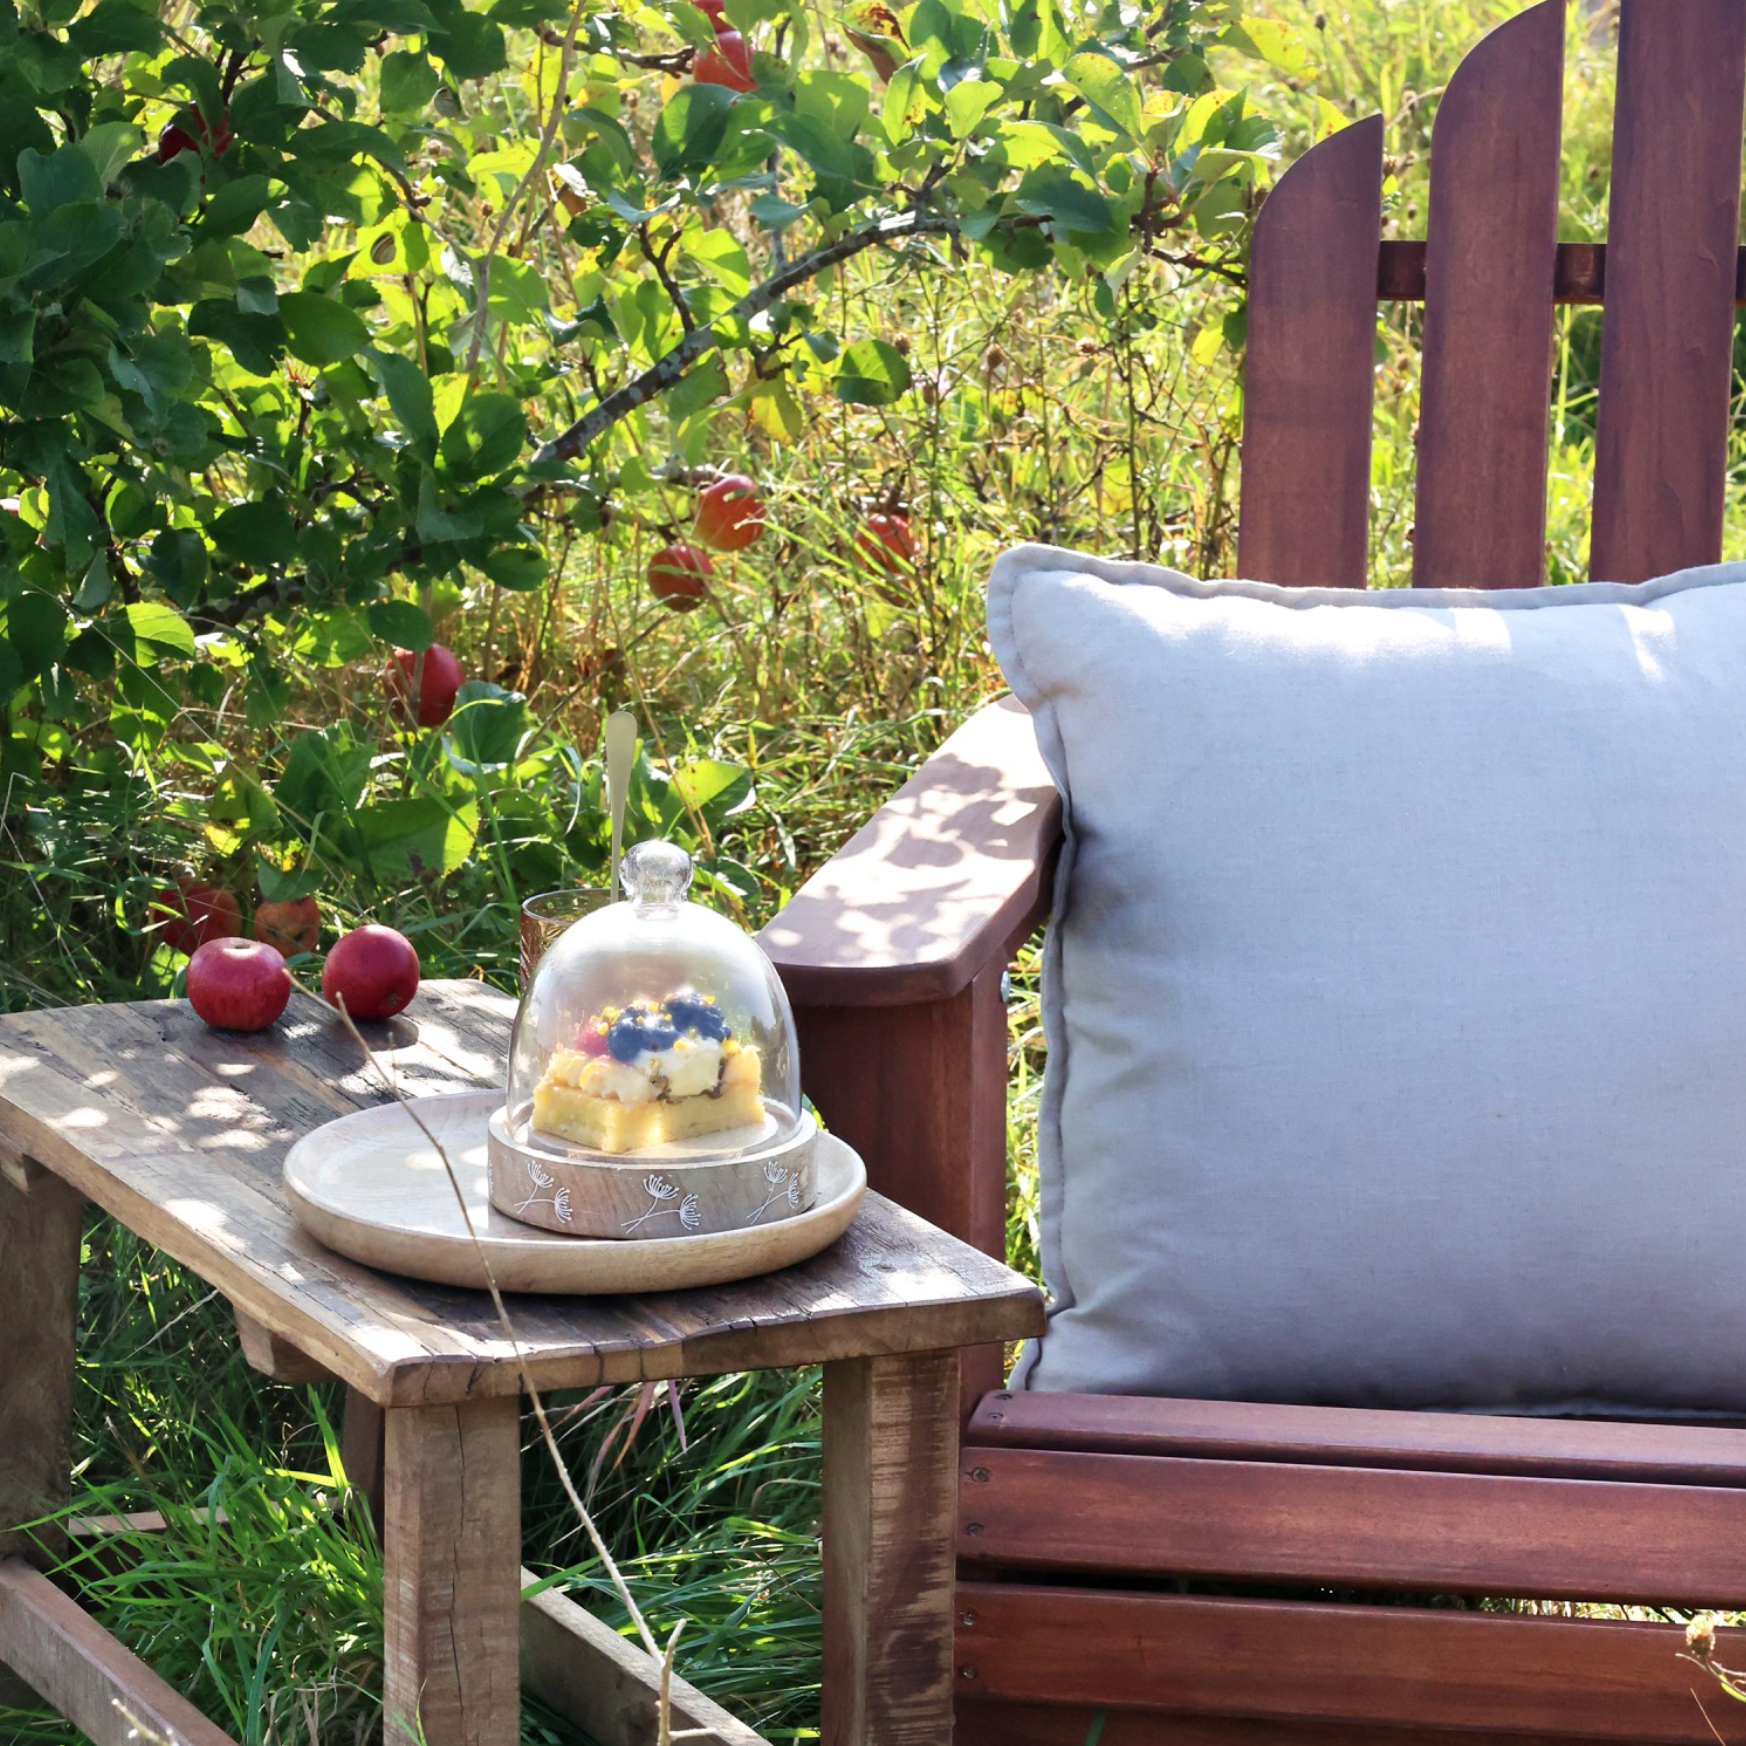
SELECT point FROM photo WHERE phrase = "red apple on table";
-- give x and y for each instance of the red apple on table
(371, 973)
(238, 985)
(730, 513)
(193, 913)
(729, 63)
(293, 925)
(679, 575)
(443, 677)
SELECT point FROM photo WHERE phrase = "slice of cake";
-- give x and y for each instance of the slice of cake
(654, 1071)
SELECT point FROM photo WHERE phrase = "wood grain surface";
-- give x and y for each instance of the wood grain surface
(1486, 387)
(452, 1575)
(1112, 1424)
(606, 1684)
(181, 1132)
(1542, 1678)
(1310, 360)
(936, 883)
(39, 1287)
(890, 1441)
(1353, 1527)
(104, 1690)
(1667, 341)
(920, 1092)
(1030, 1724)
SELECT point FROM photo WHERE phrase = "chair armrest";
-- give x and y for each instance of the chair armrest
(952, 871)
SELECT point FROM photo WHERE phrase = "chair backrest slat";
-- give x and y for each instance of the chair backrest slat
(1668, 332)
(1490, 266)
(1311, 358)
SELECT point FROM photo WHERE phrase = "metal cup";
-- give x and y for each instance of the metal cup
(548, 914)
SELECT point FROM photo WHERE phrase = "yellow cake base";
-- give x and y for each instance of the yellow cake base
(607, 1125)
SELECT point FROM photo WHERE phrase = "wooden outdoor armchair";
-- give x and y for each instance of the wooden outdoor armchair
(1076, 1510)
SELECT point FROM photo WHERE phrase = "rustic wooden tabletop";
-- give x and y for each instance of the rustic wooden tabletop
(181, 1131)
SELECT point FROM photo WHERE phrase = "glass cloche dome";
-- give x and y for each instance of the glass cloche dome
(654, 1032)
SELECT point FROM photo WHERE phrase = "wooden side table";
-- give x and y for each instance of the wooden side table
(179, 1132)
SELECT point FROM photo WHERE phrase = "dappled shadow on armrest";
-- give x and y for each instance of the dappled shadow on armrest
(937, 882)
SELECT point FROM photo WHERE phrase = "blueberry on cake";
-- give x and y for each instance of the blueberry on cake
(654, 1071)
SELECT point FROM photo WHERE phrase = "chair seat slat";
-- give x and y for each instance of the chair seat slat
(1041, 1646)
(1491, 260)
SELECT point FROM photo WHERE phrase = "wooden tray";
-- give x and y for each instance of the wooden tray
(371, 1186)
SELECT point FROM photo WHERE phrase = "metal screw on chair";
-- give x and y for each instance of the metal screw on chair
(972, 1528)
(997, 1418)
(966, 1620)
(979, 1475)
(966, 1672)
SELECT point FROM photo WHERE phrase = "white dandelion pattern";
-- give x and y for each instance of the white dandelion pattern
(542, 1179)
(664, 1197)
(784, 1186)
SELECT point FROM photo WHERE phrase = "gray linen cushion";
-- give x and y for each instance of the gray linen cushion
(1396, 990)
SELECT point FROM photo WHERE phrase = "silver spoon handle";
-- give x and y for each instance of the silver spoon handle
(621, 751)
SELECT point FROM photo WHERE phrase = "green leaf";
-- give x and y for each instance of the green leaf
(488, 727)
(712, 787)
(873, 373)
(54, 179)
(236, 206)
(408, 82)
(905, 102)
(775, 213)
(1272, 41)
(326, 774)
(519, 567)
(414, 838)
(254, 341)
(178, 563)
(115, 27)
(1113, 96)
(967, 102)
(486, 436)
(257, 534)
(149, 631)
(409, 395)
(690, 129)
(36, 627)
(1068, 198)
(400, 623)
(320, 330)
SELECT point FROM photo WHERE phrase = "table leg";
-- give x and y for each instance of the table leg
(40, 1219)
(890, 1501)
(451, 1535)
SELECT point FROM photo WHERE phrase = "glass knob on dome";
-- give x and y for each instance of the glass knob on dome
(656, 872)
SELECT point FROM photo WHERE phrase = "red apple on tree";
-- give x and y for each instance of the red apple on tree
(443, 677)
(238, 985)
(886, 544)
(729, 63)
(714, 10)
(292, 925)
(730, 513)
(371, 973)
(679, 575)
(180, 136)
(193, 912)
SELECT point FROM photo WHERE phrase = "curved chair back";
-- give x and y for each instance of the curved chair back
(1489, 275)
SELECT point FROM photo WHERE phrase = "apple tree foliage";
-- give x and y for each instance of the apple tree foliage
(314, 313)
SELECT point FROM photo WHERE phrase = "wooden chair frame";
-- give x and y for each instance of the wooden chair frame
(1081, 1516)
